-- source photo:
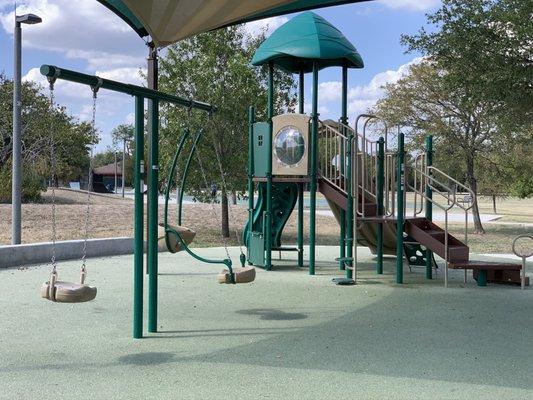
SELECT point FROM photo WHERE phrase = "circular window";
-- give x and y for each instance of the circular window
(289, 146)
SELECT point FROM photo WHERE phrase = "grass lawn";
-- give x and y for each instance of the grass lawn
(112, 216)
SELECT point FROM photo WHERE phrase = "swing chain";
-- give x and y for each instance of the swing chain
(52, 80)
(202, 170)
(218, 151)
(94, 89)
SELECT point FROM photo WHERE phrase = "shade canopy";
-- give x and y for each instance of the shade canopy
(168, 21)
(305, 39)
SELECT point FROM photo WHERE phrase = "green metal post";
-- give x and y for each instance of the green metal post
(380, 185)
(429, 205)
(251, 120)
(153, 195)
(301, 88)
(349, 206)
(344, 121)
(138, 221)
(300, 225)
(312, 186)
(268, 219)
(400, 171)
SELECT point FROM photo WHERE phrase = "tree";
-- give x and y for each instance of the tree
(465, 129)
(123, 135)
(484, 46)
(41, 123)
(214, 67)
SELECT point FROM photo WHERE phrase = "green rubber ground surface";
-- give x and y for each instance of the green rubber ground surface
(286, 336)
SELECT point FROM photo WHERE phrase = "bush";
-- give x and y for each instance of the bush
(32, 185)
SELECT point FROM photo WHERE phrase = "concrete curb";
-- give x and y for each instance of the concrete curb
(35, 253)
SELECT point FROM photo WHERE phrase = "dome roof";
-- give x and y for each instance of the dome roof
(306, 38)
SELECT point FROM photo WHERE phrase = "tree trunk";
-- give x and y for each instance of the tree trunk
(494, 204)
(234, 198)
(225, 214)
(470, 177)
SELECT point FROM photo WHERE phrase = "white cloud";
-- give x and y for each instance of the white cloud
(79, 29)
(329, 91)
(269, 24)
(130, 119)
(363, 97)
(415, 5)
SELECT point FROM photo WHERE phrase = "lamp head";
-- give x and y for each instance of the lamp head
(29, 19)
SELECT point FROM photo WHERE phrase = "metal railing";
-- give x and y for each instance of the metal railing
(332, 159)
(333, 167)
(425, 176)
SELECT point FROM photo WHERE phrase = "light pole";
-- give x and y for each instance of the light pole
(123, 165)
(16, 189)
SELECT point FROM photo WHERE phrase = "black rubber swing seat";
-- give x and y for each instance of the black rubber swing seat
(67, 292)
(242, 275)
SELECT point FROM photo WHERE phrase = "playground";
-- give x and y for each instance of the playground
(355, 264)
(287, 336)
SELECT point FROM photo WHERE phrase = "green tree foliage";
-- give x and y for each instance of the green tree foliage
(473, 91)
(215, 67)
(40, 123)
(465, 130)
(486, 47)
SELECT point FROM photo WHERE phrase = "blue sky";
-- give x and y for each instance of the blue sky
(85, 36)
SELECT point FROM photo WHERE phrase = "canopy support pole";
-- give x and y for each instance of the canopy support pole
(301, 88)
(312, 188)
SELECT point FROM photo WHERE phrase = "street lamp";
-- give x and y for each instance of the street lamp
(16, 190)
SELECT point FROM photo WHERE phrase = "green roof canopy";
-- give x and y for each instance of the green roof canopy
(304, 39)
(168, 21)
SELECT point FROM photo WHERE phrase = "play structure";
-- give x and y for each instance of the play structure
(364, 181)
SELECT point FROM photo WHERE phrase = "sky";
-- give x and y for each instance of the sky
(85, 36)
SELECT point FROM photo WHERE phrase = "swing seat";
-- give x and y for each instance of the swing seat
(67, 292)
(171, 242)
(242, 275)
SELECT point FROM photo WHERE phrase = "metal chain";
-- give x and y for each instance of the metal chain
(89, 187)
(52, 180)
(224, 240)
(218, 152)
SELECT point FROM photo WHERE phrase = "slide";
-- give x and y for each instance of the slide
(367, 232)
(284, 197)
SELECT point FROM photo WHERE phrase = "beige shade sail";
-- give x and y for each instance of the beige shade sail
(168, 21)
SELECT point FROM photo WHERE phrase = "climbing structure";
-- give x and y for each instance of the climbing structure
(364, 180)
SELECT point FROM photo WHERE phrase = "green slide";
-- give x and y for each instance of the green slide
(284, 196)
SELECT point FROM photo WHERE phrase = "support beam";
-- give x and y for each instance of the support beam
(429, 204)
(313, 183)
(268, 214)
(300, 225)
(251, 121)
(301, 90)
(133, 90)
(153, 197)
(344, 121)
(380, 187)
(138, 259)
(400, 172)
(301, 102)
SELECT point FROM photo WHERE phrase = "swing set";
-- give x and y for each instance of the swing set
(176, 237)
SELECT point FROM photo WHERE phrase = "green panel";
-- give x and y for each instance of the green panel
(284, 197)
(306, 38)
(260, 148)
(257, 249)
